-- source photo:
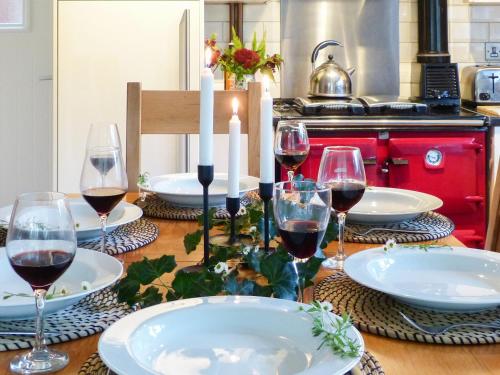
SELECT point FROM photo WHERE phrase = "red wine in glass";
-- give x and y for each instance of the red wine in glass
(103, 199)
(102, 163)
(345, 194)
(301, 237)
(291, 160)
(41, 268)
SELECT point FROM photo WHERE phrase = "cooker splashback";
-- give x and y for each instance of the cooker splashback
(368, 29)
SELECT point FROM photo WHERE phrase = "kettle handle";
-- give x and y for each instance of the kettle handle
(322, 45)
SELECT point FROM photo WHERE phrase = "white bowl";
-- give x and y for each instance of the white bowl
(184, 189)
(390, 205)
(86, 219)
(220, 335)
(100, 270)
(444, 278)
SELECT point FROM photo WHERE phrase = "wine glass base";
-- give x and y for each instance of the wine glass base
(39, 362)
(334, 263)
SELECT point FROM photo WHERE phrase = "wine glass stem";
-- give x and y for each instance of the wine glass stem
(40, 304)
(341, 221)
(300, 280)
(290, 175)
(103, 219)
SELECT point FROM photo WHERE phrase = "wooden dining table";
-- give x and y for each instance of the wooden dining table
(395, 356)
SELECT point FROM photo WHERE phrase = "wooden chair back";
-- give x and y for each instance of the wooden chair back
(178, 112)
(493, 233)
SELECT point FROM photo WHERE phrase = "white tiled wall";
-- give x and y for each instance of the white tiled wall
(470, 26)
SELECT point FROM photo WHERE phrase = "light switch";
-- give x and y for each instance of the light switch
(492, 52)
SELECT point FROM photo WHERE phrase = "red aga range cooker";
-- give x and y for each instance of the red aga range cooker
(443, 155)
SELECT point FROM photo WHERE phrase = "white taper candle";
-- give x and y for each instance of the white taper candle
(234, 153)
(266, 134)
(206, 140)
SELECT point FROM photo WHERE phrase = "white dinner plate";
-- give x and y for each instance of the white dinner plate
(86, 219)
(442, 278)
(224, 335)
(390, 205)
(98, 269)
(184, 189)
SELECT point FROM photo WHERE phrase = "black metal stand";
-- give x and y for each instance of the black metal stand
(205, 176)
(232, 206)
(266, 193)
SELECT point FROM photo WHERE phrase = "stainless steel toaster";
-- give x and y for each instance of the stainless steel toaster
(480, 84)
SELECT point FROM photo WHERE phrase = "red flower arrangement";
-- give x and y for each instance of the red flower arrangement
(239, 60)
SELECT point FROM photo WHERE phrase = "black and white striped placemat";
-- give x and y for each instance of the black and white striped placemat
(378, 313)
(91, 315)
(95, 366)
(154, 206)
(126, 237)
(436, 226)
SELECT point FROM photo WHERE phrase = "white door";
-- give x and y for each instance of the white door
(101, 46)
(26, 101)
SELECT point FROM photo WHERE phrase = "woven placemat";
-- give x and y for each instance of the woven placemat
(378, 313)
(154, 206)
(437, 226)
(126, 237)
(95, 366)
(91, 315)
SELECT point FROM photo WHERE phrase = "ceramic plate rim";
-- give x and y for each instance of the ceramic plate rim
(370, 283)
(254, 181)
(134, 213)
(83, 292)
(434, 202)
(130, 323)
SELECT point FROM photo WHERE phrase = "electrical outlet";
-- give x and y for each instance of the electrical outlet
(492, 52)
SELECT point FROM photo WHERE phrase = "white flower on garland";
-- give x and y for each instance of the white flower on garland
(86, 285)
(253, 229)
(221, 268)
(390, 244)
(247, 249)
(326, 306)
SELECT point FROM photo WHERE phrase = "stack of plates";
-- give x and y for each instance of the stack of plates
(86, 219)
(184, 189)
(381, 205)
(441, 278)
(223, 336)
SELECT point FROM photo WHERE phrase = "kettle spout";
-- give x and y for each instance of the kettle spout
(350, 71)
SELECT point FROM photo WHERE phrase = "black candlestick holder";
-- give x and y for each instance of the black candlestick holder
(232, 206)
(266, 193)
(205, 176)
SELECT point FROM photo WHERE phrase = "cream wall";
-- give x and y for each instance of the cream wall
(470, 26)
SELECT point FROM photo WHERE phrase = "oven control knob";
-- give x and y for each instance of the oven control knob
(433, 158)
(484, 96)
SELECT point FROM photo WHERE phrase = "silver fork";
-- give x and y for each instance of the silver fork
(436, 330)
(386, 230)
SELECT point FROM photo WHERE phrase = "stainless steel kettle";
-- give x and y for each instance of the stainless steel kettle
(329, 79)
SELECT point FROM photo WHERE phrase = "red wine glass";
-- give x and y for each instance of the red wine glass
(302, 212)
(41, 244)
(103, 182)
(342, 169)
(291, 145)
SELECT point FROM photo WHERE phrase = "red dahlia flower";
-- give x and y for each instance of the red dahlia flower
(246, 57)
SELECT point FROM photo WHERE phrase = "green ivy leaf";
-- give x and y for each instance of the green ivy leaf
(191, 240)
(309, 269)
(211, 217)
(197, 284)
(127, 289)
(243, 288)
(148, 270)
(150, 297)
(280, 274)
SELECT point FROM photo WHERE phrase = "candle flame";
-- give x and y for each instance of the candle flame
(236, 104)
(208, 57)
(265, 83)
